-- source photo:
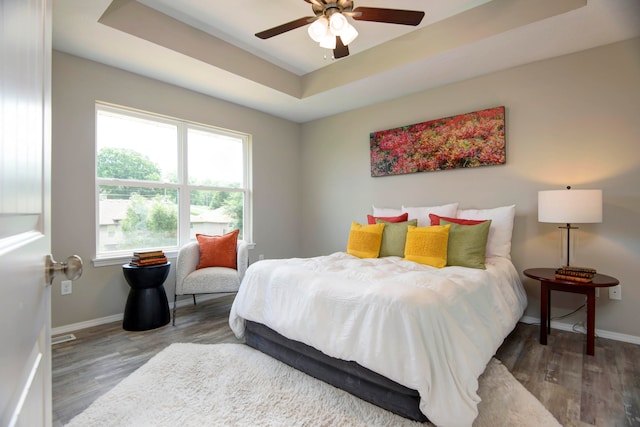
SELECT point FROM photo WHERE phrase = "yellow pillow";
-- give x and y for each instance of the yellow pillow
(364, 240)
(427, 245)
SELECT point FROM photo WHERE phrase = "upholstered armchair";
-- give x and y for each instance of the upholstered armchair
(191, 280)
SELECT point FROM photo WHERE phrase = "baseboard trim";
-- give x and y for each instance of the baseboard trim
(187, 301)
(118, 317)
(599, 332)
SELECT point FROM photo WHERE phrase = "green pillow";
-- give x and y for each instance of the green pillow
(394, 237)
(467, 244)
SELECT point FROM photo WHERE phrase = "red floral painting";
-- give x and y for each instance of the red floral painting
(463, 141)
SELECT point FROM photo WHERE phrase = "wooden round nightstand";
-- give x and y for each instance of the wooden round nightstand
(548, 283)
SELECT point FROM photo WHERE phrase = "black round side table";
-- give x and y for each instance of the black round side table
(147, 306)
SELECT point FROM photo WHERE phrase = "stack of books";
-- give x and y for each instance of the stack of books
(575, 274)
(145, 259)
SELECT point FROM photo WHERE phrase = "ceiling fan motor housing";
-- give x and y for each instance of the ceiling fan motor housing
(328, 9)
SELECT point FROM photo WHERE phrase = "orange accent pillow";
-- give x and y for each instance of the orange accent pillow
(400, 218)
(435, 220)
(218, 251)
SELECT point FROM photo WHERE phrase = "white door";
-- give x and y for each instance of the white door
(25, 75)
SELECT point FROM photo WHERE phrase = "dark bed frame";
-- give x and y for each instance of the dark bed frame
(349, 376)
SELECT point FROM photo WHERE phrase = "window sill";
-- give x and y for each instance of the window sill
(124, 259)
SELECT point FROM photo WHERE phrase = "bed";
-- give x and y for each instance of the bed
(408, 337)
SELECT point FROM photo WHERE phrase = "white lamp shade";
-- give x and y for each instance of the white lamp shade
(319, 29)
(328, 41)
(337, 24)
(348, 35)
(570, 206)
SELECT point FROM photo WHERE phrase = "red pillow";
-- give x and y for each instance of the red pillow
(218, 251)
(435, 220)
(400, 218)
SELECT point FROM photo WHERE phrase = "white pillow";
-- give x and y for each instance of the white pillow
(422, 213)
(499, 240)
(386, 211)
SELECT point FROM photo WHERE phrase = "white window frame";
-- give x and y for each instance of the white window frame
(182, 186)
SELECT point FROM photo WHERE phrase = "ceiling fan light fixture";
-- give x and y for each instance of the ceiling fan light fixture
(328, 42)
(338, 23)
(319, 29)
(349, 34)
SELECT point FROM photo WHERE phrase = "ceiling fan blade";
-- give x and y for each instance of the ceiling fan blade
(341, 50)
(316, 2)
(285, 27)
(390, 16)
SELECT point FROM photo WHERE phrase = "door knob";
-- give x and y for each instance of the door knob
(71, 268)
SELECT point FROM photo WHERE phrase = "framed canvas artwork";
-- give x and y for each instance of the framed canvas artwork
(464, 141)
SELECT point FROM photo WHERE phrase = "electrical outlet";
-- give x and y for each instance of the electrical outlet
(615, 292)
(66, 287)
(260, 257)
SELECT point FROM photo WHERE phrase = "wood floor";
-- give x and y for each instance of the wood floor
(579, 390)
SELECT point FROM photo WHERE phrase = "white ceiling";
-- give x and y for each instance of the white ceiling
(289, 75)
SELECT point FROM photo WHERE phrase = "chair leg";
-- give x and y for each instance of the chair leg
(175, 297)
(194, 299)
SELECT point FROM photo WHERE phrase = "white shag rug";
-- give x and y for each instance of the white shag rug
(235, 385)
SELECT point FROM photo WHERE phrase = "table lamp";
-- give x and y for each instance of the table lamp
(570, 207)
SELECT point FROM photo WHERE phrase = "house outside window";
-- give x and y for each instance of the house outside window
(160, 180)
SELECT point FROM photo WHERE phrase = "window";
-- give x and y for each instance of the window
(159, 181)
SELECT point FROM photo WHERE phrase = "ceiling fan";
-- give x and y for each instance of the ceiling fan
(330, 27)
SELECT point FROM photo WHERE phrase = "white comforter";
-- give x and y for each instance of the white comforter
(432, 330)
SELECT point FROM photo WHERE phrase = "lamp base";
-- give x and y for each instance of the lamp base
(568, 243)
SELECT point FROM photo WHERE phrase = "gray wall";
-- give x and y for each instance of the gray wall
(573, 120)
(77, 84)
